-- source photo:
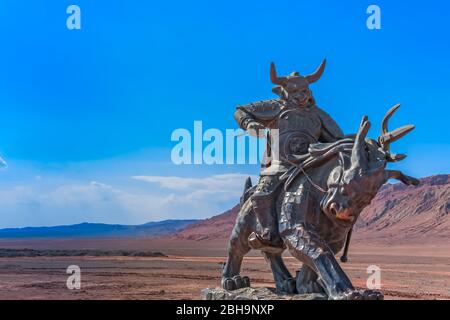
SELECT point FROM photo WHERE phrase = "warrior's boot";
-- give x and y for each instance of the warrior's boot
(263, 206)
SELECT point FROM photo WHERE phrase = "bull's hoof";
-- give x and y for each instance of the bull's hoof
(372, 295)
(237, 282)
(246, 281)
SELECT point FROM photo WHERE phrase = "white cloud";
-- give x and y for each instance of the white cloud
(228, 182)
(75, 202)
(210, 193)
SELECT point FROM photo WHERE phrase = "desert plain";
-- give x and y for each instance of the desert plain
(407, 271)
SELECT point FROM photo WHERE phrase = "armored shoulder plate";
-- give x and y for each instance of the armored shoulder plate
(263, 110)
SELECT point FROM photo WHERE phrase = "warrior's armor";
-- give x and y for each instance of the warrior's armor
(298, 122)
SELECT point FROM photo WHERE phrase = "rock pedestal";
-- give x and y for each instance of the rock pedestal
(255, 294)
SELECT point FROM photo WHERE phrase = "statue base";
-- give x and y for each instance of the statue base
(255, 294)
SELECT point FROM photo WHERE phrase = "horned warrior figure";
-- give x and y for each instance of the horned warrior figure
(315, 212)
(294, 121)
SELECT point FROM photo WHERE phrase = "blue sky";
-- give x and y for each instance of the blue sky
(85, 112)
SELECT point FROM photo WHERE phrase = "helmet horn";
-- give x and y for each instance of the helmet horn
(317, 74)
(281, 81)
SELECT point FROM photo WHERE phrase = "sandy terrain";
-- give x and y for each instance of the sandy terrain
(408, 272)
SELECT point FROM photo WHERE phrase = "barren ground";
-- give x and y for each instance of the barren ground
(407, 272)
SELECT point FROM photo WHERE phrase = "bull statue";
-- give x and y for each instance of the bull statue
(316, 210)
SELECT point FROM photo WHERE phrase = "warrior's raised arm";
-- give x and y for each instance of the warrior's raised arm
(263, 112)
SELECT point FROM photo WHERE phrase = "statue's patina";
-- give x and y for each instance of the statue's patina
(308, 200)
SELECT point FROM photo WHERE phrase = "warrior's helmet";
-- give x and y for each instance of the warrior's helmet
(295, 87)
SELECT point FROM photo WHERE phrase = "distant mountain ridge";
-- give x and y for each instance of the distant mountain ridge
(401, 214)
(150, 229)
(398, 213)
(217, 227)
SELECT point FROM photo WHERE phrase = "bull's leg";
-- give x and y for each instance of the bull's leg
(305, 245)
(306, 281)
(237, 248)
(284, 281)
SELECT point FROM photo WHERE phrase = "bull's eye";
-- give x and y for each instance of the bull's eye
(333, 179)
(336, 175)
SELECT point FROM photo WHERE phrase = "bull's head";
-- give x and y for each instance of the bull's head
(295, 88)
(353, 184)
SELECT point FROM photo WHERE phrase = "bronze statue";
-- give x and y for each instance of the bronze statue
(327, 182)
(298, 122)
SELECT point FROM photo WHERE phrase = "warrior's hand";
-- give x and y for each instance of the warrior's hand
(255, 129)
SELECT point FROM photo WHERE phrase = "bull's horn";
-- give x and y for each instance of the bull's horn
(359, 157)
(394, 157)
(384, 123)
(387, 138)
(317, 74)
(273, 76)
